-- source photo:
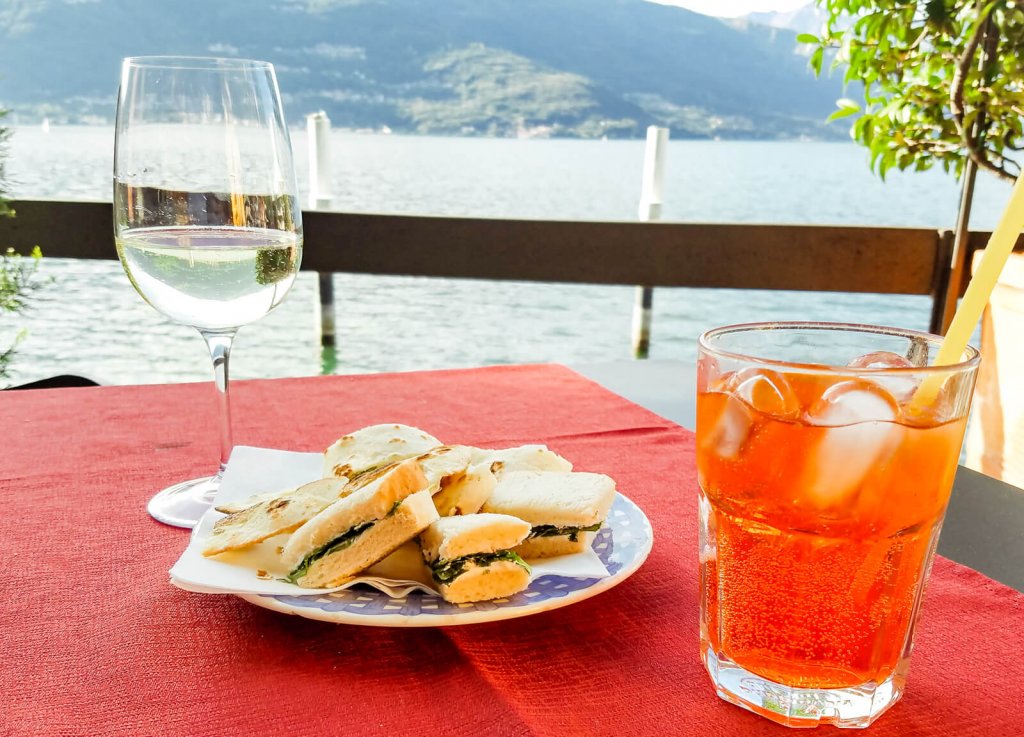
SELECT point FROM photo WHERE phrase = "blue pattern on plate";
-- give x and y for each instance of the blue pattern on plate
(617, 544)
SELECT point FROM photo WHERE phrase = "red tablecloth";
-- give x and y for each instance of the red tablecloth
(95, 641)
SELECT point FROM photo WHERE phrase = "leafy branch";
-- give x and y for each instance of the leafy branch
(941, 81)
(16, 273)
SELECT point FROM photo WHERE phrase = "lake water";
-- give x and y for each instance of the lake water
(86, 319)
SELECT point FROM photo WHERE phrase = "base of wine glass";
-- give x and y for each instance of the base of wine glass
(183, 504)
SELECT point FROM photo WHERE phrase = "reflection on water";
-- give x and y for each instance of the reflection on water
(87, 319)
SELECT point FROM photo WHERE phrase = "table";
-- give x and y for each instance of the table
(96, 642)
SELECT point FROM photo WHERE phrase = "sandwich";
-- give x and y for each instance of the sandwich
(471, 557)
(357, 531)
(272, 514)
(560, 507)
(374, 447)
(466, 492)
(522, 458)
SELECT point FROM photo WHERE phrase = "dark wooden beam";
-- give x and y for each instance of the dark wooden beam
(812, 258)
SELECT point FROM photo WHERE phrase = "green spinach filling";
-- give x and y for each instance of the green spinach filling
(341, 542)
(446, 571)
(573, 533)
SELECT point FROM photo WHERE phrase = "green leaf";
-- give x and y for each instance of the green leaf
(816, 59)
(807, 38)
(843, 112)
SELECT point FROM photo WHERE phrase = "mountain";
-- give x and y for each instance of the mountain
(805, 19)
(495, 67)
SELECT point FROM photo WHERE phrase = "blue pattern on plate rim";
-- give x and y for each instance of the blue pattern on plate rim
(617, 544)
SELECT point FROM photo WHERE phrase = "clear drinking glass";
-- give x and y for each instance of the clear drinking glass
(825, 456)
(206, 215)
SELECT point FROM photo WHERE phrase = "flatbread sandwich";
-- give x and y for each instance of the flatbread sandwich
(357, 531)
(272, 514)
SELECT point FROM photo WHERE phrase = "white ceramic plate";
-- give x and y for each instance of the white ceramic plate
(622, 544)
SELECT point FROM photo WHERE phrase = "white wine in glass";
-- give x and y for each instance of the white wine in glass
(206, 215)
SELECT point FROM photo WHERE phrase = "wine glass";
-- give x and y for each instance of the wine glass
(206, 216)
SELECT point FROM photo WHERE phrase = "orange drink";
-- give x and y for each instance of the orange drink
(823, 485)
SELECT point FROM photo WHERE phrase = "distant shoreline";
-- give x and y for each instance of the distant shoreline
(836, 133)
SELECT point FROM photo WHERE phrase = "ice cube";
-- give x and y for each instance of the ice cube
(852, 401)
(862, 435)
(880, 360)
(766, 391)
(730, 429)
(899, 384)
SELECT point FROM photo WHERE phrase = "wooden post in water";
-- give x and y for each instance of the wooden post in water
(649, 209)
(318, 133)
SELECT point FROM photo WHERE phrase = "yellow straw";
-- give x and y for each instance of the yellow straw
(984, 281)
(1003, 239)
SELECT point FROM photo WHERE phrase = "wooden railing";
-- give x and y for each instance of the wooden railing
(662, 254)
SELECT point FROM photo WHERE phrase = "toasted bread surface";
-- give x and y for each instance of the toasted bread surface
(375, 446)
(273, 516)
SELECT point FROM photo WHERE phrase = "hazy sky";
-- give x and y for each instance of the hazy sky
(735, 7)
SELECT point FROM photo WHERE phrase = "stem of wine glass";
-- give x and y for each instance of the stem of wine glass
(219, 344)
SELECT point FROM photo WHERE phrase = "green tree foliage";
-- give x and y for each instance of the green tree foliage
(16, 273)
(5, 211)
(942, 80)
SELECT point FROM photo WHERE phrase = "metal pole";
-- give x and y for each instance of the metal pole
(649, 210)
